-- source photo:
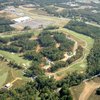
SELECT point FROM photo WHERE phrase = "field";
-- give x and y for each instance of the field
(14, 57)
(36, 16)
(86, 90)
(8, 74)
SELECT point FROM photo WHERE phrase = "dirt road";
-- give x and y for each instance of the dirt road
(88, 90)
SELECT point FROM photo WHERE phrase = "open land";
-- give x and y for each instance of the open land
(79, 65)
(86, 90)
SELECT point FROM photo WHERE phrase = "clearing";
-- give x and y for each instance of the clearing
(86, 90)
(8, 74)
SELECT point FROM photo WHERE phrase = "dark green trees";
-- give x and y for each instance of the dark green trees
(53, 53)
(98, 91)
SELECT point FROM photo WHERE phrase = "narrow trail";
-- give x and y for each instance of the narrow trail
(17, 78)
(38, 49)
(12, 74)
(88, 90)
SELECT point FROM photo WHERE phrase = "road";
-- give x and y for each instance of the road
(88, 90)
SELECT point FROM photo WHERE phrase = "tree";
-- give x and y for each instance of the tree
(98, 91)
(53, 53)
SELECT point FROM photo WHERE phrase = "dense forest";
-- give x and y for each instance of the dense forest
(46, 2)
(68, 12)
(83, 28)
(93, 59)
(5, 25)
(18, 43)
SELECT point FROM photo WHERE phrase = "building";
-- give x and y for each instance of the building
(8, 85)
(22, 19)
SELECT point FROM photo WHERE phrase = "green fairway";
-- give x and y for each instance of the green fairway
(8, 74)
(3, 78)
(14, 57)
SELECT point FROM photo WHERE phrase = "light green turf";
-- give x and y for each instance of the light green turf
(3, 73)
(3, 78)
(14, 57)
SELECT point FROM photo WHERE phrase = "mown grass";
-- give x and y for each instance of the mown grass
(3, 73)
(14, 57)
(76, 91)
(8, 74)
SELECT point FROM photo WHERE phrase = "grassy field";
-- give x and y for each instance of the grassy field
(14, 57)
(93, 95)
(55, 20)
(77, 90)
(79, 65)
(4, 73)
(8, 74)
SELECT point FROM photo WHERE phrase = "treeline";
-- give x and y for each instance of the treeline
(18, 43)
(49, 39)
(44, 88)
(51, 27)
(32, 55)
(84, 14)
(34, 70)
(5, 25)
(83, 28)
(46, 40)
(53, 53)
(79, 53)
(93, 59)
(47, 2)
(9, 48)
(65, 43)
(25, 44)
(16, 37)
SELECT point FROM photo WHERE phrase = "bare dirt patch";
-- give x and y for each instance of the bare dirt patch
(88, 90)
